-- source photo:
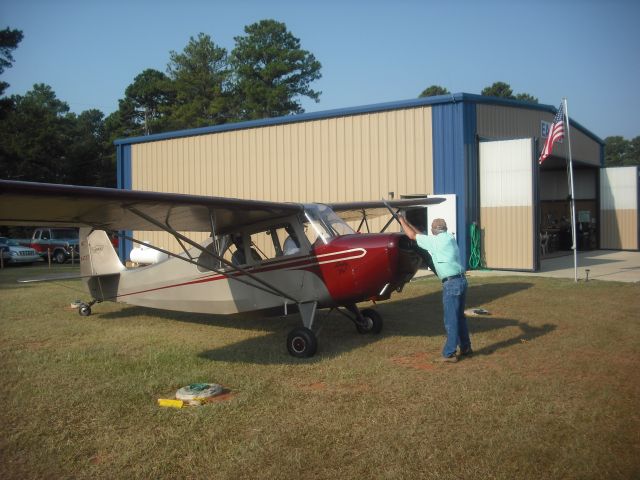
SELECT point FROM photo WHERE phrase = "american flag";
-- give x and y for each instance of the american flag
(556, 132)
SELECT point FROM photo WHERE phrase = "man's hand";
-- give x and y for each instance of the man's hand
(409, 229)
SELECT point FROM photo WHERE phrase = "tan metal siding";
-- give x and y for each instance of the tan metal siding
(619, 229)
(619, 208)
(358, 157)
(507, 237)
(495, 121)
(506, 204)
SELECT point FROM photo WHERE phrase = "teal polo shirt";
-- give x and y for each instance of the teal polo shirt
(443, 249)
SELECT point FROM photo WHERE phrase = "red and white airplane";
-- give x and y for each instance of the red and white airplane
(260, 256)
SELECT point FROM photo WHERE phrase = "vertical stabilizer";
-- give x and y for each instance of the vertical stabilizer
(97, 255)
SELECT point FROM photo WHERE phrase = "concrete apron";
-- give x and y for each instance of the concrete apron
(611, 265)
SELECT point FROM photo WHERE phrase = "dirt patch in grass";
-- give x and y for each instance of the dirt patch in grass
(225, 396)
(419, 361)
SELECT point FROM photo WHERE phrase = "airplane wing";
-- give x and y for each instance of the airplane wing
(357, 210)
(28, 204)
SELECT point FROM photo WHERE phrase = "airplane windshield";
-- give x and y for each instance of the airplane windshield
(323, 223)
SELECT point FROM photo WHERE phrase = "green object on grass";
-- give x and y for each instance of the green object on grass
(475, 260)
(198, 387)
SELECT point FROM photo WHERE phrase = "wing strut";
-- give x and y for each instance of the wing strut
(178, 236)
(364, 222)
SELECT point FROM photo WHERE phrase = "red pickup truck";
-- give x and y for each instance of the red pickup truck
(61, 242)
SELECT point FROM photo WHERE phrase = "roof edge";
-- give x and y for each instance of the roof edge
(343, 112)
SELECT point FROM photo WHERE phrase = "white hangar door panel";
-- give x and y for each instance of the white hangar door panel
(507, 204)
(619, 229)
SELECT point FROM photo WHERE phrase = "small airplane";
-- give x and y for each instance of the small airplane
(265, 257)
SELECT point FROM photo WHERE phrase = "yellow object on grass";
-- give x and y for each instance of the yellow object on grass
(167, 402)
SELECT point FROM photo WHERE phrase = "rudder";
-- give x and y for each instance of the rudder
(97, 255)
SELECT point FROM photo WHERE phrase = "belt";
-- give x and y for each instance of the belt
(460, 275)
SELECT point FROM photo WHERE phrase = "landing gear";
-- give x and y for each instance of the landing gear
(372, 322)
(85, 308)
(302, 343)
(366, 321)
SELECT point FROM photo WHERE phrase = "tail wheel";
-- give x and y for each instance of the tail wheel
(84, 310)
(373, 322)
(302, 343)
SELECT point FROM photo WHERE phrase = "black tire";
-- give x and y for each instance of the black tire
(84, 310)
(374, 322)
(302, 343)
(59, 256)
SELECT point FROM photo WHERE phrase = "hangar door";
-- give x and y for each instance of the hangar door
(619, 202)
(508, 204)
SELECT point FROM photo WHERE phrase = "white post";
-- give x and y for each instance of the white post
(573, 200)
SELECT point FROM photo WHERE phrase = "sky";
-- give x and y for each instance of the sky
(371, 51)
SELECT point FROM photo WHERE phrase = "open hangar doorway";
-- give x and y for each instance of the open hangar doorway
(525, 208)
(555, 207)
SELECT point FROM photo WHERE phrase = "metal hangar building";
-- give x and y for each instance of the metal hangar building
(482, 150)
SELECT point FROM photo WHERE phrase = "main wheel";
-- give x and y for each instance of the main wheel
(84, 310)
(373, 319)
(302, 343)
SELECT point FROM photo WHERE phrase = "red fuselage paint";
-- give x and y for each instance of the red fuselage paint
(360, 277)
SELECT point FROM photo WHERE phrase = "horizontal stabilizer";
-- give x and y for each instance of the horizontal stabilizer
(55, 277)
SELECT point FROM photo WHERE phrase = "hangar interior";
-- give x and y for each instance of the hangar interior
(482, 150)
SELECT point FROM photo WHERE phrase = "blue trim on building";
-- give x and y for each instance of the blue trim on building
(123, 174)
(455, 164)
(342, 112)
(472, 207)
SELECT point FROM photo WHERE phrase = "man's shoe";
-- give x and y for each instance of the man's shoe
(451, 359)
(467, 353)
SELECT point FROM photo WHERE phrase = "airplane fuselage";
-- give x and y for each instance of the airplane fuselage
(347, 270)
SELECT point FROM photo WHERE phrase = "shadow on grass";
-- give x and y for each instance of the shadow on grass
(417, 316)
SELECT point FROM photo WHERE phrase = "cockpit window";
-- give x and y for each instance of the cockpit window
(322, 223)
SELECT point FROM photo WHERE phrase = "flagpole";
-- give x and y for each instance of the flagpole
(573, 200)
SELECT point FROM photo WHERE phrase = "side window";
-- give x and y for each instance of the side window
(278, 241)
(263, 246)
(311, 234)
(239, 253)
(208, 263)
(44, 235)
(232, 252)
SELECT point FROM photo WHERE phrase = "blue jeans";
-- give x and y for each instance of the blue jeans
(454, 292)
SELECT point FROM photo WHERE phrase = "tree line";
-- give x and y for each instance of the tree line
(265, 75)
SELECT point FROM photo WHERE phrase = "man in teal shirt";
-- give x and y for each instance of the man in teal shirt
(443, 248)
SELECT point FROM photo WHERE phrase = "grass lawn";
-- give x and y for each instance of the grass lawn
(552, 392)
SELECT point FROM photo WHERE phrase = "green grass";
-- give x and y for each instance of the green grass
(553, 391)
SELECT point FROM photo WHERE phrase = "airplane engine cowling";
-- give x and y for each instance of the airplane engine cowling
(370, 267)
